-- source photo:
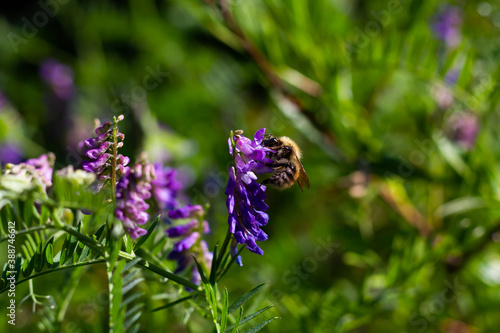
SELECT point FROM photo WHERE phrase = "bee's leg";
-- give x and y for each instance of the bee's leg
(265, 181)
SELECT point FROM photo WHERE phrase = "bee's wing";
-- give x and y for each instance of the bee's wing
(303, 179)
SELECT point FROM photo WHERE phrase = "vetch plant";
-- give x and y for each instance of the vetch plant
(120, 227)
(245, 197)
(102, 154)
(132, 191)
(189, 241)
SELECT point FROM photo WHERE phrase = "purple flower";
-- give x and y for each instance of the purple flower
(186, 212)
(443, 96)
(10, 153)
(59, 77)
(44, 165)
(245, 197)
(165, 187)
(132, 191)
(253, 152)
(190, 242)
(99, 153)
(447, 25)
(234, 252)
(32, 175)
(464, 128)
(451, 77)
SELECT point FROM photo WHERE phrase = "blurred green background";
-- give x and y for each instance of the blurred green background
(394, 103)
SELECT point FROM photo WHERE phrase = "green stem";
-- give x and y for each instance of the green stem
(231, 136)
(167, 274)
(28, 231)
(81, 237)
(233, 259)
(180, 300)
(223, 249)
(97, 261)
(68, 292)
(158, 270)
(113, 159)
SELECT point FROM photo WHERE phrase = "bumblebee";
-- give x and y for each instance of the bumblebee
(287, 165)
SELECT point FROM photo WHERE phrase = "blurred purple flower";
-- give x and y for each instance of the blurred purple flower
(58, 121)
(189, 211)
(45, 166)
(33, 175)
(10, 153)
(245, 197)
(132, 191)
(464, 128)
(59, 77)
(451, 77)
(166, 187)
(190, 243)
(99, 151)
(447, 25)
(443, 96)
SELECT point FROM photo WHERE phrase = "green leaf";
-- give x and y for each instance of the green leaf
(31, 244)
(225, 305)
(244, 298)
(73, 242)
(233, 260)
(167, 274)
(85, 254)
(134, 329)
(158, 246)
(129, 277)
(24, 268)
(466, 70)
(258, 327)
(99, 232)
(126, 288)
(17, 266)
(48, 255)
(130, 321)
(131, 298)
(144, 238)
(65, 249)
(211, 296)
(40, 259)
(133, 309)
(28, 211)
(449, 62)
(71, 194)
(180, 300)
(459, 205)
(214, 268)
(31, 265)
(237, 324)
(249, 317)
(131, 264)
(116, 311)
(56, 260)
(200, 270)
(45, 214)
(78, 251)
(4, 271)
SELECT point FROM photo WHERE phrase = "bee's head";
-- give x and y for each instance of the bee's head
(271, 141)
